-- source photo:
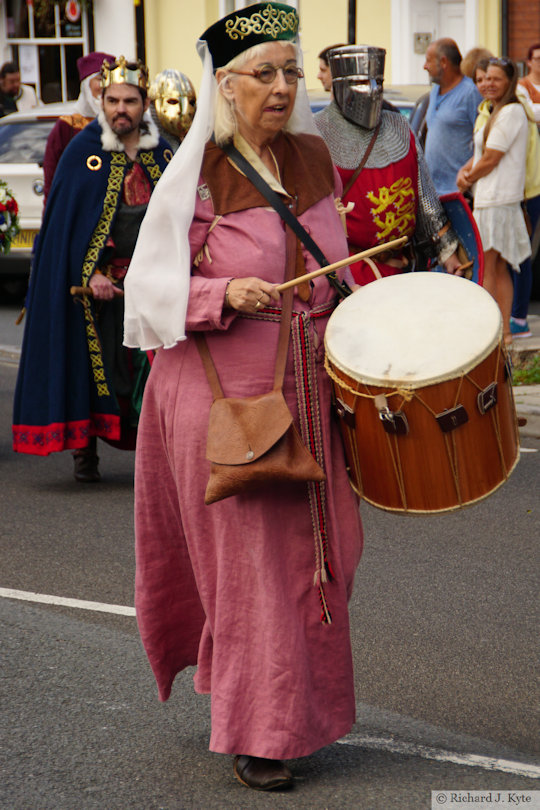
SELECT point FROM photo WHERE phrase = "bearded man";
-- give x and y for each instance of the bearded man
(387, 188)
(450, 116)
(76, 382)
(14, 96)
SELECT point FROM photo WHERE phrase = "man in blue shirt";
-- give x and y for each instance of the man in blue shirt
(450, 117)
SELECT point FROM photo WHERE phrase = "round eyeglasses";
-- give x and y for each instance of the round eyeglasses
(267, 73)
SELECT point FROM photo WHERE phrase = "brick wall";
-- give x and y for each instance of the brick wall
(523, 27)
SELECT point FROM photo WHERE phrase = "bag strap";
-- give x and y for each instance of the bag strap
(363, 162)
(284, 329)
(208, 363)
(286, 311)
(286, 214)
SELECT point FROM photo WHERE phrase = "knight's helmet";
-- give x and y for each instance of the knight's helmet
(357, 82)
(175, 101)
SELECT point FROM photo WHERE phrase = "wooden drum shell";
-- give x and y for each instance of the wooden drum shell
(429, 470)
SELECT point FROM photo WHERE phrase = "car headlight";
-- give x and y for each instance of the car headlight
(38, 187)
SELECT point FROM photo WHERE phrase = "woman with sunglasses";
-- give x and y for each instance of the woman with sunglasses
(251, 589)
(497, 169)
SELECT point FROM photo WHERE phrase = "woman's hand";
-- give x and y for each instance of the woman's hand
(249, 294)
(462, 179)
(469, 174)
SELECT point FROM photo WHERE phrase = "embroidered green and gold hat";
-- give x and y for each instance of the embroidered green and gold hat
(253, 25)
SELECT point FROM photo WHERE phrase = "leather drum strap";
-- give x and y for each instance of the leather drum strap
(286, 214)
(363, 162)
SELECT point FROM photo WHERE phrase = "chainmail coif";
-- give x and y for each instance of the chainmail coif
(347, 142)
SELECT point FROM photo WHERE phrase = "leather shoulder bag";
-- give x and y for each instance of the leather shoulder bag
(253, 441)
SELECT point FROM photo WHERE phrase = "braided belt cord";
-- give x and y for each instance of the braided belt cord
(310, 429)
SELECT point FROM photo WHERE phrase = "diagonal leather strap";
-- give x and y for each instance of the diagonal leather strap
(363, 162)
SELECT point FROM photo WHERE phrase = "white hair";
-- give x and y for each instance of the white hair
(225, 123)
(87, 104)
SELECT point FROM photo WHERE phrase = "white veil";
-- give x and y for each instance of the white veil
(87, 104)
(157, 283)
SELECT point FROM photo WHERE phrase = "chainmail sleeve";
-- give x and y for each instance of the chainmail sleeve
(431, 217)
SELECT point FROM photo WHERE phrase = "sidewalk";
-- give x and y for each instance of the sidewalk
(527, 397)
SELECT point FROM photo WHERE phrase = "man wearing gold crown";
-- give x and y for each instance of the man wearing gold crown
(76, 382)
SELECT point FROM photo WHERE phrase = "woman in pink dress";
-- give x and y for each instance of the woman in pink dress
(253, 589)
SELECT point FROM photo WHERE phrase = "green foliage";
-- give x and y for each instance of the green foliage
(528, 372)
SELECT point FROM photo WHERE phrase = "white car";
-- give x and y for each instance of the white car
(23, 137)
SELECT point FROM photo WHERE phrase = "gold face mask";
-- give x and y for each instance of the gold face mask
(175, 101)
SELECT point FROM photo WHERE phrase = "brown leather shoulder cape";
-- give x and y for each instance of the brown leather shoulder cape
(305, 168)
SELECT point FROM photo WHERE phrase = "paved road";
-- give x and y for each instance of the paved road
(444, 617)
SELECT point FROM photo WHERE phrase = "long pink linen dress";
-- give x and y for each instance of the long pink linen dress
(230, 587)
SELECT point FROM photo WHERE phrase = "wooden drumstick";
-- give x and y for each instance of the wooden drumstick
(323, 271)
(89, 291)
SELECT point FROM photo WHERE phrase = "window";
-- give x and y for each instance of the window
(53, 38)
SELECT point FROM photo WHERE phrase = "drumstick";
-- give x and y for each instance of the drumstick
(88, 291)
(323, 271)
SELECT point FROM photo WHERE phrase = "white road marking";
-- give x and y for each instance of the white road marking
(415, 750)
(46, 599)
(390, 744)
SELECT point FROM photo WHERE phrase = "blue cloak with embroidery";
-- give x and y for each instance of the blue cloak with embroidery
(64, 393)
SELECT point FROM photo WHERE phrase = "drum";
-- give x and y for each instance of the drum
(423, 391)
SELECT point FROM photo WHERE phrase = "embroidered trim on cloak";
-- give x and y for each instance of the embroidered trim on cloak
(310, 429)
(58, 436)
(119, 162)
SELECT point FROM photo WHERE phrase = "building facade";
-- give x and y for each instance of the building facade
(46, 37)
(522, 28)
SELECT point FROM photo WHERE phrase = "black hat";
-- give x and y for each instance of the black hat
(262, 22)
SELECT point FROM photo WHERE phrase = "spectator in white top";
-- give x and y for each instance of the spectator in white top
(530, 84)
(15, 96)
(498, 170)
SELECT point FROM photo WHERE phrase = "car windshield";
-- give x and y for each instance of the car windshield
(24, 142)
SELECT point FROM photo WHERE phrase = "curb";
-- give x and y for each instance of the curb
(12, 354)
(531, 430)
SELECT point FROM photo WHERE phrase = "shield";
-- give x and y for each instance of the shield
(462, 221)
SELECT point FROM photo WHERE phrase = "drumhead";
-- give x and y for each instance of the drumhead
(413, 329)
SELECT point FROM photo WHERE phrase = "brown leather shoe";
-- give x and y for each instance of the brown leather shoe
(262, 774)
